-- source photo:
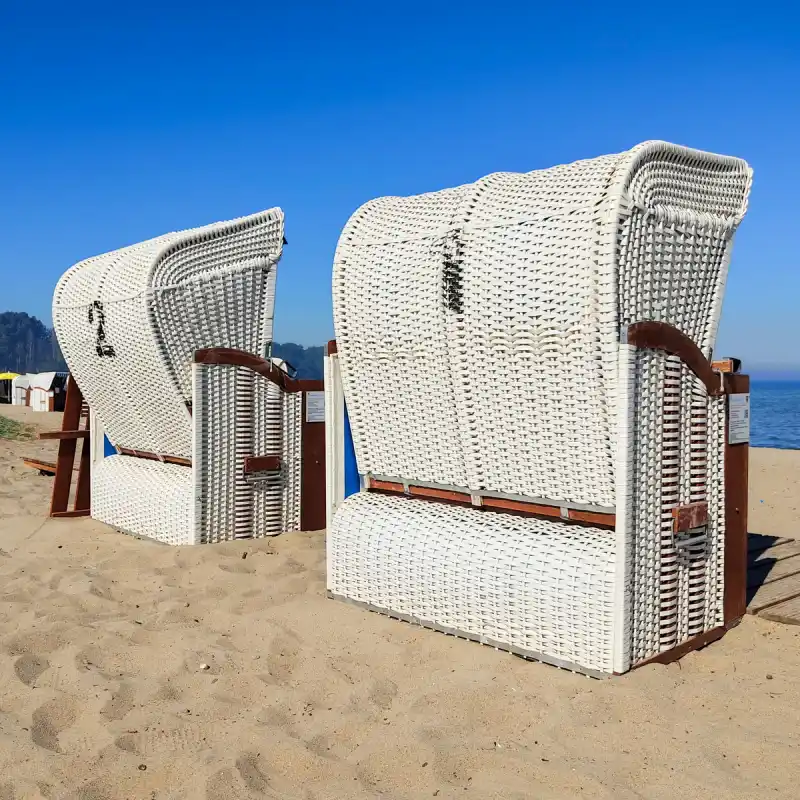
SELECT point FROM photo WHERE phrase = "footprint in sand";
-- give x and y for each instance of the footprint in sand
(28, 668)
(251, 772)
(34, 642)
(237, 566)
(383, 693)
(51, 719)
(282, 658)
(120, 702)
(178, 741)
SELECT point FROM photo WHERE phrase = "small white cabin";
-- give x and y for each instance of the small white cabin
(47, 391)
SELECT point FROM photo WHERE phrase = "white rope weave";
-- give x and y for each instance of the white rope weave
(478, 333)
(159, 301)
(128, 323)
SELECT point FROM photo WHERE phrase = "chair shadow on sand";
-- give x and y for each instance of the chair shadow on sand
(773, 571)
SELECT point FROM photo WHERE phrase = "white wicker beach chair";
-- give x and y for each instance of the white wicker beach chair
(208, 442)
(533, 350)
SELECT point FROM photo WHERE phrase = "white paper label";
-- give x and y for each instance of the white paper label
(738, 418)
(315, 406)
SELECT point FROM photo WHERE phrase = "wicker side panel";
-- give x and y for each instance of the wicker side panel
(237, 414)
(292, 455)
(145, 498)
(678, 580)
(525, 584)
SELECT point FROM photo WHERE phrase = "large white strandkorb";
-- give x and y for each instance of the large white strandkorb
(481, 338)
(129, 323)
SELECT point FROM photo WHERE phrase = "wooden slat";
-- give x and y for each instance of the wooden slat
(493, 503)
(183, 462)
(773, 593)
(777, 553)
(63, 514)
(787, 612)
(61, 435)
(42, 466)
(759, 541)
(668, 656)
(768, 570)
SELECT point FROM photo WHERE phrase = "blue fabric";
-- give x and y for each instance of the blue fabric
(352, 482)
(108, 448)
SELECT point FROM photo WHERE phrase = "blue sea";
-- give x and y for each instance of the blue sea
(775, 414)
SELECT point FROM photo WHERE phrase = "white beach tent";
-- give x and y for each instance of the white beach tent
(19, 390)
(47, 391)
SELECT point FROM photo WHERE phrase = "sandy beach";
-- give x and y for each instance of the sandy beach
(129, 669)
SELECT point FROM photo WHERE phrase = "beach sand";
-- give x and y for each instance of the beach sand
(129, 669)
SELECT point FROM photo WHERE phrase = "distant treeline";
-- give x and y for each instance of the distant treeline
(27, 345)
(308, 361)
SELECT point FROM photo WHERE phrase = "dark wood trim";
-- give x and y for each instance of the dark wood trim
(332, 347)
(676, 653)
(262, 463)
(736, 490)
(229, 357)
(687, 517)
(42, 466)
(727, 365)
(310, 385)
(66, 449)
(494, 503)
(66, 434)
(183, 462)
(313, 501)
(661, 336)
(83, 512)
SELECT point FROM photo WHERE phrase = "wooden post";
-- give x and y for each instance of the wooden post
(313, 512)
(736, 490)
(67, 442)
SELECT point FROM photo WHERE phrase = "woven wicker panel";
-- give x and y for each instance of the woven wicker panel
(128, 322)
(238, 413)
(145, 498)
(533, 586)
(679, 440)
(478, 326)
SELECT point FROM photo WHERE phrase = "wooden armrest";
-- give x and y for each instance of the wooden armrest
(64, 435)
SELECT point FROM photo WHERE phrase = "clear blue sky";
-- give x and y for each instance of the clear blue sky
(120, 121)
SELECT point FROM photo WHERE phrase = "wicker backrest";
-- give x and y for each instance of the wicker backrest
(478, 327)
(129, 321)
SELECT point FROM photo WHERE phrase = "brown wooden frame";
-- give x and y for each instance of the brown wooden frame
(67, 443)
(312, 475)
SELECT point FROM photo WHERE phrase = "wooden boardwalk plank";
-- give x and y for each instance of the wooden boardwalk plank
(777, 553)
(787, 612)
(767, 571)
(760, 541)
(773, 593)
